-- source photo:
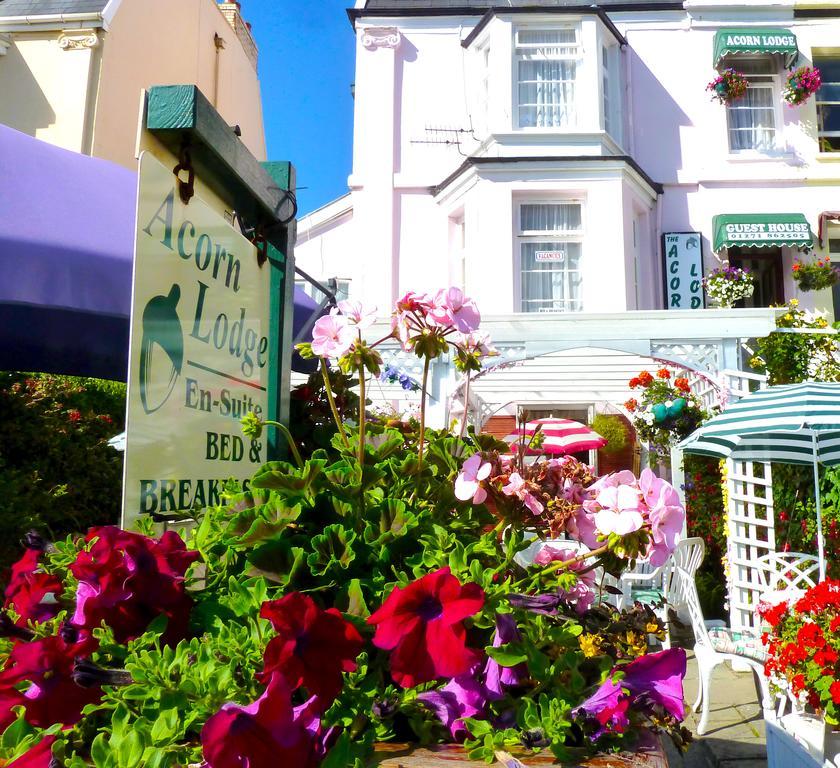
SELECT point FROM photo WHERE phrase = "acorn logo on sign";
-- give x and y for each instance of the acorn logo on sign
(162, 349)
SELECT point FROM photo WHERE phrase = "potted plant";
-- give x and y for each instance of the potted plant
(802, 83)
(367, 592)
(815, 275)
(730, 85)
(666, 412)
(726, 284)
(803, 650)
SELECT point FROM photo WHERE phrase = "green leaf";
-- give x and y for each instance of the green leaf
(130, 751)
(165, 728)
(332, 550)
(100, 751)
(508, 655)
(276, 560)
(356, 605)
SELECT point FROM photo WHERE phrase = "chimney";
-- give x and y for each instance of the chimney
(232, 11)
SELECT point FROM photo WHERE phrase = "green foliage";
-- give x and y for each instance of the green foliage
(612, 429)
(57, 473)
(789, 358)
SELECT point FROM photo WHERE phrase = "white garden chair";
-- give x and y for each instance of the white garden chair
(656, 585)
(717, 645)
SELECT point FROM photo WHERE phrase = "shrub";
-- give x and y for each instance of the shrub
(612, 429)
(58, 475)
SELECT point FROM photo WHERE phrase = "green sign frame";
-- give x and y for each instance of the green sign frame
(262, 196)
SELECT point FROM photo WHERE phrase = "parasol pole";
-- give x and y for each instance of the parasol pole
(820, 543)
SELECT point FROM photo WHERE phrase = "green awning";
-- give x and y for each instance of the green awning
(756, 41)
(761, 230)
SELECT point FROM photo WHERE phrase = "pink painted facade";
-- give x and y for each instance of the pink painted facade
(448, 170)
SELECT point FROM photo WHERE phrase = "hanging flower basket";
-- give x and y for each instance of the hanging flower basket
(801, 84)
(815, 275)
(726, 285)
(730, 85)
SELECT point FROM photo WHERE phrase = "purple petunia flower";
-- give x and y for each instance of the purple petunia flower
(495, 675)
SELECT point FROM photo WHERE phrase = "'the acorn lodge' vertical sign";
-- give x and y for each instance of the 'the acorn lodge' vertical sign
(683, 253)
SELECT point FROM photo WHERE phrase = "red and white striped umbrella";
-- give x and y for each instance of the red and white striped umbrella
(561, 436)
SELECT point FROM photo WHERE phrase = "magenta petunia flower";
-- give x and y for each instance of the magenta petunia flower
(650, 683)
(126, 580)
(313, 646)
(30, 593)
(269, 732)
(422, 625)
(463, 696)
(52, 695)
(496, 677)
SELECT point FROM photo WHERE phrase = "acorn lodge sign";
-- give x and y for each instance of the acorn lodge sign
(198, 353)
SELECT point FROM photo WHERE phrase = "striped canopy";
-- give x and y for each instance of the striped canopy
(781, 424)
(790, 424)
(561, 436)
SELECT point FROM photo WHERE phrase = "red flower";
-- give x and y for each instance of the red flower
(835, 624)
(682, 384)
(635, 382)
(798, 683)
(312, 648)
(40, 756)
(267, 733)
(52, 697)
(663, 373)
(422, 624)
(773, 615)
(74, 416)
(126, 580)
(27, 589)
(797, 266)
(631, 405)
(645, 379)
(834, 690)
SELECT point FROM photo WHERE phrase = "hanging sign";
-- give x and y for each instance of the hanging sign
(683, 270)
(198, 358)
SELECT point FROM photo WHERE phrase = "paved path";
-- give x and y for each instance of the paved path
(735, 735)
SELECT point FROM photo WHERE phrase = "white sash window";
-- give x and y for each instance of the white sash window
(546, 66)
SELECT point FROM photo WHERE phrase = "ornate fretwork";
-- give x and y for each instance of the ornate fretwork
(381, 37)
(77, 40)
(703, 356)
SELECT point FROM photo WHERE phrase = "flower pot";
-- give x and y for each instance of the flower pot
(799, 740)
(649, 753)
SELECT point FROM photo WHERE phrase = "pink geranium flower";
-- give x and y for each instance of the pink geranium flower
(620, 510)
(518, 487)
(582, 594)
(332, 336)
(357, 314)
(451, 307)
(468, 482)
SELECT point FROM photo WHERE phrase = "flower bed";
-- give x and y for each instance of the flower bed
(371, 591)
(803, 647)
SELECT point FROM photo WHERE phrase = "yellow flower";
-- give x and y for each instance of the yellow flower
(652, 628)
(636, 644)
(794, 302)
(590, 645)
(788, 316)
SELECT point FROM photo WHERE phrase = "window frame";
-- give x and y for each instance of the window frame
(835, 55)
(773, 84)
(575, 54)
(521, 236)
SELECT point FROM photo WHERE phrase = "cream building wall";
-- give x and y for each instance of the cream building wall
(76, 82)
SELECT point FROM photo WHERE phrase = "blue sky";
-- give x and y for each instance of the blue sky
(306, 70)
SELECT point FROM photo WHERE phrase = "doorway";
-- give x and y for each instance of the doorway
(766, 267)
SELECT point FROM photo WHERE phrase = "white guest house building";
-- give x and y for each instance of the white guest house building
(537, 153)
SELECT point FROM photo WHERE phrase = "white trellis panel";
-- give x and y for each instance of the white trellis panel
(750, 516)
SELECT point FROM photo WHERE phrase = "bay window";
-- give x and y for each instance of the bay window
(752, 120)
(828, 103)
(549, 243)
(546, 69)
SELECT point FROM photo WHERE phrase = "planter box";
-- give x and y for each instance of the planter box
(650, 754)
(801, 741)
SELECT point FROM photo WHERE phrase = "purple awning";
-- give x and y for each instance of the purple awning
(66, 251)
